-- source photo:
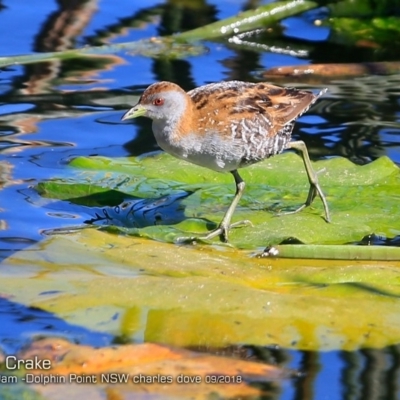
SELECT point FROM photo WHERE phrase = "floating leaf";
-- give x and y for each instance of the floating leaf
(362, 199)
(144, 290)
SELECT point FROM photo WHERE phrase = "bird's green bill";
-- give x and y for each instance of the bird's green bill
(134, 112)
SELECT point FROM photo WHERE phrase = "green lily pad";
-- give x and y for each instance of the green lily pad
(362, 199)
(79, 193)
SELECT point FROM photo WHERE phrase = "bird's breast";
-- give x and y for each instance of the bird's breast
(209, 150)
(220, 151)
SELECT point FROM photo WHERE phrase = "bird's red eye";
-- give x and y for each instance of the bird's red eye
(158, 101)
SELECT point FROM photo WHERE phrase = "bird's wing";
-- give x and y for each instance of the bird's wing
(257, 119)
(230, 105)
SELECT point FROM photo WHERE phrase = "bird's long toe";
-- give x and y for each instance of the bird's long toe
(222, 231)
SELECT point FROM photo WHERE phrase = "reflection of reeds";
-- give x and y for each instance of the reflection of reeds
(63, 26)
(176, 46)
(366, 374)
(5, 180)
(371, 373)
(57, 34)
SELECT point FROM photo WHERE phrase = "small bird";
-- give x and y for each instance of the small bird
(226, 126)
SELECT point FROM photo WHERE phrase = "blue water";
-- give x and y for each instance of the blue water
(50, 115)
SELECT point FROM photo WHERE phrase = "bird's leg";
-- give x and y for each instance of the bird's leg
(225, 225)
(312, 178)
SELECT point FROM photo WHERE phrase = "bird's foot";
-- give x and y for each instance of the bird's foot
(314, 190)
(302, 207)
(222, 231)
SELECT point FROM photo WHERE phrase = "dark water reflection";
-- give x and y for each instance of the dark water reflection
(33, 323)
(52, 112)
(365, 374)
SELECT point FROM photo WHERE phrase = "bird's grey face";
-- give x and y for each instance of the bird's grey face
(162, 106)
